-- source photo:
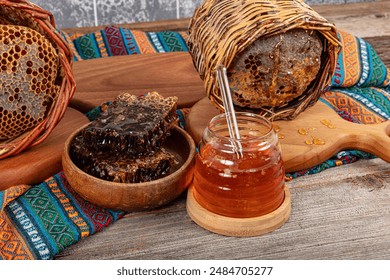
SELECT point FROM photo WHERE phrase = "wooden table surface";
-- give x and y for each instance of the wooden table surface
(340, 213)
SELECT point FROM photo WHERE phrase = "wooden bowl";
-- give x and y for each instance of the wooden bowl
(135, 196)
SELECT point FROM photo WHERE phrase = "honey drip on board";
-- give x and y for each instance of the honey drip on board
(328, 123)
(315, 140)
(309, 142)
(318, 141)
(302, 131)
(277, 130)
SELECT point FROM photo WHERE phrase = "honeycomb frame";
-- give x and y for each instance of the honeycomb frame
(20, 16)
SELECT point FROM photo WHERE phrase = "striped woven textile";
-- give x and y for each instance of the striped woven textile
(38, 222)
(113, 41)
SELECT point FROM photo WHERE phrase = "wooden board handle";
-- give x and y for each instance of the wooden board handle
(374, 139)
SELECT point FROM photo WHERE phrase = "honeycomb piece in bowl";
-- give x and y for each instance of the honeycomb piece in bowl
(133, 125)
(28, 79)
(120, 167)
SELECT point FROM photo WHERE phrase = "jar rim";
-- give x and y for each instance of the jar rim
(267, 123)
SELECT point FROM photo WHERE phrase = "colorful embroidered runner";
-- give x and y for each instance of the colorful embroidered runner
(41, 221)
(113, 41)
(38, 222)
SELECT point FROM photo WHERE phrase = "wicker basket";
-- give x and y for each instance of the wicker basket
(221, 29)
(22, 14)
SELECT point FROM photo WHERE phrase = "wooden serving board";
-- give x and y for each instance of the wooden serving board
(296, 153)
(36, 164)
(170, 74)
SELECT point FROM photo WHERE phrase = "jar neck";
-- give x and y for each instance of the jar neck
(253, 128)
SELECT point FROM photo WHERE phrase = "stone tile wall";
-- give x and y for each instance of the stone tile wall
(81, 13)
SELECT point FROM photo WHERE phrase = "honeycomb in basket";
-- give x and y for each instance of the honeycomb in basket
(276, 69)
(28, 87)
(133, 125)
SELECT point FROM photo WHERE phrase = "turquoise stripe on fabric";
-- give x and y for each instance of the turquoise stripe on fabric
(149, 37)
(115, 214)
(87, 47)
(367, 103)
(377, 97)
(181, 118)
(66, 205)
(75, 204)
(338, 76)
(22, 220)
(183, 43)
(385, 92)
(95, 45)
(156, 42)
(106, 43)
(379, 70)
(50, 218)
(62, 212)
(129, 41)
(370, 66)
(1, 199)
(67, 231)
(50, 242)
(163, 43)
(364, 62)
(326, 102)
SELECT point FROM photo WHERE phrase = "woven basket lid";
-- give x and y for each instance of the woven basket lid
(222, 29)
(36, 79)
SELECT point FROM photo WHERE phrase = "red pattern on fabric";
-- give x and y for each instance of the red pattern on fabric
(115, 41)
(99, 217)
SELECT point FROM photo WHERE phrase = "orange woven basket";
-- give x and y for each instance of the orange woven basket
(22, 20)
(220, 30)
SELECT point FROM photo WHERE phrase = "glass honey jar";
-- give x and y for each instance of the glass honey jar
(239, 178)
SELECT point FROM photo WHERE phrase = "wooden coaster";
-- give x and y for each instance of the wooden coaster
(238, 227)
(36, 164)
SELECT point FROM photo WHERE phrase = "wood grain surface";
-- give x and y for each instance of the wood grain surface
(40, 162)
(296, 154)
(340, 213)
(170, 74)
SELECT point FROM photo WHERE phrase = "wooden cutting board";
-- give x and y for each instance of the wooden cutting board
(170, 74)
(36, 164)
(322, 125)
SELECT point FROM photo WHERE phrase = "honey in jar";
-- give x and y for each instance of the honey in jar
(239, 178)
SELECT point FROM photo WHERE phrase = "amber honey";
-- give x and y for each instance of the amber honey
(241, 184)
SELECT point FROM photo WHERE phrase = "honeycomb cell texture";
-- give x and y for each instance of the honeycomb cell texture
(28, 79)
(135, 125)
(276, 69)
